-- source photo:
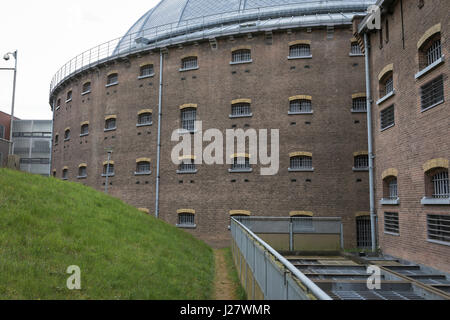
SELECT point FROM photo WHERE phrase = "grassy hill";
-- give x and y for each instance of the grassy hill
(47, 225)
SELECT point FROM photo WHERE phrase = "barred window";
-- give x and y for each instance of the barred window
(86, 88)
(145, 119)
(84, 129)
(362, 162)
(389, 85)
(67, 135)
(189, 63)
(2, 132)
(186, 220)
(387, 117)
(112, 79)
(300, 51)
(360, 104)
(110, 124)
(188, 117)
(300, 106)
(243, 55)
(69, 96)
(82, 172)
(432, 93)
(108, 169)
(146, 71)
(56, 139)
(187, 166)
(301, 163)
(143, 167)
(241, 163)
(363, 232)
(441, 185)
(392, 188)
(391, 222)
(65, 174)
(434, 52)
(355, 49)
(438, 227)
(241, 110)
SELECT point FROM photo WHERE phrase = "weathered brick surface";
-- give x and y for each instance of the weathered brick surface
(417, 136)
(332, 133)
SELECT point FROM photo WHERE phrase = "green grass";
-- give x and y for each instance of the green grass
(239, 292)
(47, 225)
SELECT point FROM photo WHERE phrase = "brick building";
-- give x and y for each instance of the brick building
(5, 123)
(411, 122)
(293, 66)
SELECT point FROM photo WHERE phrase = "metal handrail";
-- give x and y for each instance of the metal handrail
(126, 45)
(315, 290)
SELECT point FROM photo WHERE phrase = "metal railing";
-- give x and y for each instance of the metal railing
(266, 274)
(233, 22)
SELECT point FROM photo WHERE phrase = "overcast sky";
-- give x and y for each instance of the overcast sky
(47, 34)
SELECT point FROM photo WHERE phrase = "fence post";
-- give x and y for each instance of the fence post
(291, 236)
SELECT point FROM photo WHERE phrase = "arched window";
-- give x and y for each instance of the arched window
(110, 124)
(390, 188)
(86, 88)
(69, 96)
(301, 163)
(65, 174)
(437, 188)
(430, 51)
(241, 110)
(56, 139)
(241, 163)
(188, 117)
(300, 51)
(302, 221)
(112, 79)
(108, 169)
(145, 119)
(67, 135)
(82, 171)
(146, 71)
(387, 84)
(84, 129)
(143, 167)
(241, 56)
(189, 63)
(359, 104)
(186, 218)
(440, 184)
(300, 106)
(361, 162)
(187, 166)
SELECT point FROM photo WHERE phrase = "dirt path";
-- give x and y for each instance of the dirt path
(223, 287)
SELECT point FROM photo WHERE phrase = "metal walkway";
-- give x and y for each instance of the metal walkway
(345, 278)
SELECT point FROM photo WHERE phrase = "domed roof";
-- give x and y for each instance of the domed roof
(190, 15)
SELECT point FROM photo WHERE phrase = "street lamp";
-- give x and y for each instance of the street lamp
(6, 57)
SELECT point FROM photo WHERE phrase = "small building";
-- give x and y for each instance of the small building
(32, 143)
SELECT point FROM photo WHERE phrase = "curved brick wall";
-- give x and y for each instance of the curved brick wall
(332, 134)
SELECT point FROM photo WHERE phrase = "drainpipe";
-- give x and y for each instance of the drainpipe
(158, 160)
(370, 139)
(51, 140)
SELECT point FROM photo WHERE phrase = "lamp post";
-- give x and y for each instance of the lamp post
(6, 57)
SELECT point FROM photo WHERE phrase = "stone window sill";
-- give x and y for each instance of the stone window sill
(301, 170)
(356, 54)
(390, 202)
(241, 116)
(187, 172)
(185, 226)
(143, 173)
(429, 68)
(112, 84)
(360, 169)
(145, 77)
(108, 175)
(109, 130)
(432, 106)
(241, 62)
(240, 170)
(189, 69)
(84, 135)
(144, 124)
(386, 97)
(300, 113)
(85, 93)
(435, 201)
(302, 57)
(359, 111)
(81, 177)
